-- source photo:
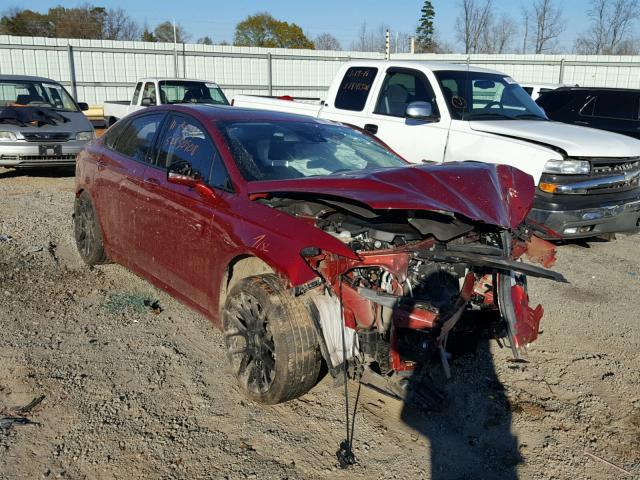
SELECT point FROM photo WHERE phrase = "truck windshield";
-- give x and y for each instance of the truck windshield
(36, 94)
(486, 96)
(278, 150)
(181, 91)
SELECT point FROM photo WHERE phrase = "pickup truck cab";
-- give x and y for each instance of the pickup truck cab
(164, 91)
(587, 179)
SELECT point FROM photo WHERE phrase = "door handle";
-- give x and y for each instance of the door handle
(371, 128)
(152, 181)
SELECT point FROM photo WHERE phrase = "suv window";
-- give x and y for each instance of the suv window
(136, 139)
(186, 142)
(136, 94)
(400, 88)
(620, 105)
(354, 88)
(150, 92)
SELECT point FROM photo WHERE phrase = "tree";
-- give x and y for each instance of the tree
(611, 27)
(498, 37)
(548, 25)
(370, 40)
(117, 25)
(147, 35)
(205, 41)
(262, 30)
(472, 24)
(164, 33)
(85, 21)
(25, 23)
(326, 41)
(425, 32)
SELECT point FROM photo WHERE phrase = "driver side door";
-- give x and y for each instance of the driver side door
(428, 139)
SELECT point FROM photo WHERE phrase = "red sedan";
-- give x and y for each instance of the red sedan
(307, 240)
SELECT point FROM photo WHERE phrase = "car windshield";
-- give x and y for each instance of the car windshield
(278, 150)
(486, 96)
(36, 94)
(180, 91)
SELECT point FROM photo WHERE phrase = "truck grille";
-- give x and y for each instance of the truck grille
(46, 136)
(607, 166)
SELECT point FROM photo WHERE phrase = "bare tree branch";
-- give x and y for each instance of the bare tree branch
(612, 24)
(548, 25)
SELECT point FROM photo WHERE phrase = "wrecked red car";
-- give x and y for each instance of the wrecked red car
(307, 240)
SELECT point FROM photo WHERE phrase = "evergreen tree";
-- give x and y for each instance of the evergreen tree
(425, 33)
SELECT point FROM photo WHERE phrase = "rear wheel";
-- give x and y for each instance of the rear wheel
(271, 340)
(87, 231)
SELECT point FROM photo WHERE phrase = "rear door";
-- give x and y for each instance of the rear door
(415, 140)
(181, 233)
(119, 180)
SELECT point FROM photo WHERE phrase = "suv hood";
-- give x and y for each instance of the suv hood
(495, 194)
(576, 141)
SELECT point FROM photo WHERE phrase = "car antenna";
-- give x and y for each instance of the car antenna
(344, 454)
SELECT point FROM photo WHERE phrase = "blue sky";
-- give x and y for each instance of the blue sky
(342, 18)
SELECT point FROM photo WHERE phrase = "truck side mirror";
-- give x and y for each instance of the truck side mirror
(147, 102)
(421, 111)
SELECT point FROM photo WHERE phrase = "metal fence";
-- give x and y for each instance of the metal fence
(99, 70)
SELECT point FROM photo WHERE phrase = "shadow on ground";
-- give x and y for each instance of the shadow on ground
(470, 437)
(57, 172)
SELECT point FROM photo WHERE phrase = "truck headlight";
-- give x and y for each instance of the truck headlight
(567, 167)
(7, 136)
(85, 136)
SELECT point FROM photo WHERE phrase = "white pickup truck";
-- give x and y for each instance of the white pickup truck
(162, 91)
(588, 180)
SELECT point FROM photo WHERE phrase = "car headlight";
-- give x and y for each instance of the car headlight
(85, 136)
(7, 137)
(567, 167)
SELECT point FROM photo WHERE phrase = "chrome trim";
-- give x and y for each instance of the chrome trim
(582, 187)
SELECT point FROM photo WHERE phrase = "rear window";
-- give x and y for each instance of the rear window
(355, 87)
(554, 101)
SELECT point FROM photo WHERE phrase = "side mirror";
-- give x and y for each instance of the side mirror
(147, 102)
(191, 181)
(421, 111)
(83, 106)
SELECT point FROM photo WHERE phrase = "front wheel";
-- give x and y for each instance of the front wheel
(271, 340)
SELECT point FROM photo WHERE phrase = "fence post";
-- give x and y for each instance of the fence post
(72, 73)
(184, 61)
(269, 75)
(561, 76)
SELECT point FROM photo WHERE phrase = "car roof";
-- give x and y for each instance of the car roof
(230, 113)
(597, 89)
(169, 79)
(22, 78)
(433, 66)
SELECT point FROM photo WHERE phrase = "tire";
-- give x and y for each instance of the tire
(271, 340)
(87, 231)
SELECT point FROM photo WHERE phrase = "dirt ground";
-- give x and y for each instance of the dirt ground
(134, 392)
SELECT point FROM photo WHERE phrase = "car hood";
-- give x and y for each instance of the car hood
(494, 194)
(574, 140)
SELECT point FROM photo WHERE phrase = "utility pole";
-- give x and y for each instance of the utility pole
(175, 50)
(413, 45)
(387, 46)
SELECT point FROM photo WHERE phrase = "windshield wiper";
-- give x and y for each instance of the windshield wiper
(531, 116)
(473, 116)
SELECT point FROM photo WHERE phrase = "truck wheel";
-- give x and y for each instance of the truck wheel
(87, 231)
(271, 340)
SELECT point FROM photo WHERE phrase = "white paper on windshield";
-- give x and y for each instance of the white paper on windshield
(51, 85)
(211, 85)
(510, 80)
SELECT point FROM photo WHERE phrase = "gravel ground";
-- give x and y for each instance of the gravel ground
(133, 391)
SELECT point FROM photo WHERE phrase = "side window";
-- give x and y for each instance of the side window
(114, 132)
(399, 89)
(185, 144)
(529, 90)
(136, 139)
(150, 92)
(136, 94)
(616, 105)
(354, 88)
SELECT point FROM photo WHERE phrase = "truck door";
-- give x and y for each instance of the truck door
(415, 140)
